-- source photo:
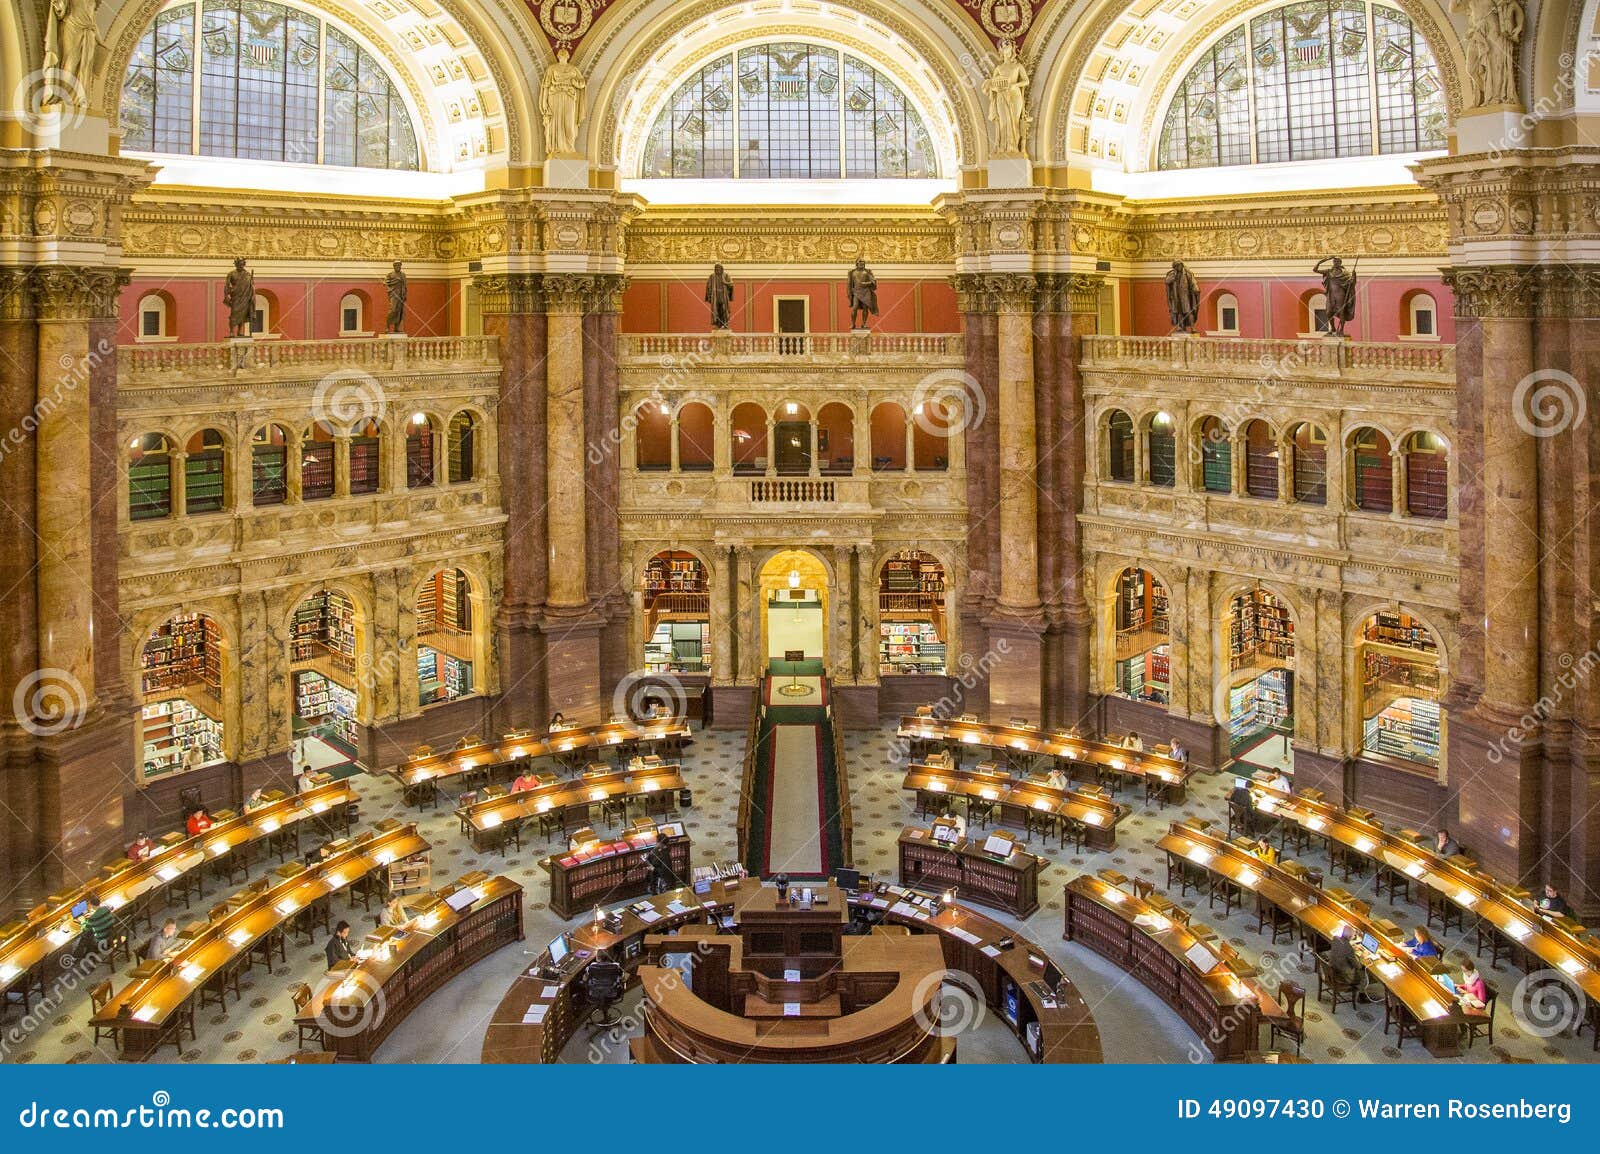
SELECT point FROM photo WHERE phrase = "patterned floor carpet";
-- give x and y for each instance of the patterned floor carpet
(1134, 1028)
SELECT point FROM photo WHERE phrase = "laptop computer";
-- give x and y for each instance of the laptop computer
(1369, 943)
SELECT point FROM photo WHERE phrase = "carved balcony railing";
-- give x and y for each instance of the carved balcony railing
(685, 350)
(184, 363)
(1312, 357)
(791, 492)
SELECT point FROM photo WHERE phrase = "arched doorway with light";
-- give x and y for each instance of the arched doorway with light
(794, 611)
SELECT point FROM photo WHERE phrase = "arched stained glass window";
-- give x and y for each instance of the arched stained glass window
(788, 111)
(1316, 80)
(275, 83)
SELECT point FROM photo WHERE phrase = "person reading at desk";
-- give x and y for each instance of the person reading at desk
(1444, 845)
(255, 801)
(1133, 742)
(557, 720)
(1179, 752)
(959, 821)
(338, 948)
(1264, 851)
(1345, 966)
(1472, 991)
(99, 925)
(199, 821)
(303, 783)
(394, 914)
(1422, 945)
(163, 942)
(1553, 904)
(1055, 779)
(525, 780)
(1281, 783)
(141, 848)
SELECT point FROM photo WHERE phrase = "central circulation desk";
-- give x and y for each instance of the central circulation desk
(1010, 883)
(144, 1010)
(1410, 980)
(421, 773)
(1079, 756)
(1016, 798)
(1217, 995)
(1558, 942)
(483, 820)
(26, 945)
(357, 1007)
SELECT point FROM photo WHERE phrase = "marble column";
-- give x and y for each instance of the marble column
(842, 613)
(565, 524)
(747, 616)
(866, 620)
(1019, 495)
(723, 590)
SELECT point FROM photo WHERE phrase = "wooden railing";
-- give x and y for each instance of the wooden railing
(747, 780)
(190, 362)
(1287, 359)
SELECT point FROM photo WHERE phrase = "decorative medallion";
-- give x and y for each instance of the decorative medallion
(1247, 242)
(1009, 235)
(569, 236)
(1488, 217)
(80, 217)
(1006, 19)
(1380, 239)
(565, 20)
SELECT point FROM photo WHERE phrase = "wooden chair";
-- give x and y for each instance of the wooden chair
(1491, 940)
(1185, 873)
(980, 813)
(1229, 891)
(99, 998)
(1143, 889)
(511, 831)
(1076, 830)
(181, 1022)
(1347, 863)
(1402, 1019)
(1332, 988)
(551, 823)
(1447, 913)
(1271, 916)
(262, 949)
(1396, 884)
(225, 979)
(1043, 822)
(1482, 1025)
(1292, 1024)
(301, 993)
(368, 886)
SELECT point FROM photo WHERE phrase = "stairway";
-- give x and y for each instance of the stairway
(795, 792)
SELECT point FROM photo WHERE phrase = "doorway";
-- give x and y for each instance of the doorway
(792, 319)
(794, 608)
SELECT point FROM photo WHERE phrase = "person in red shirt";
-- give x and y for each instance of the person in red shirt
(141, 848)
(199, 822)
(527, 779)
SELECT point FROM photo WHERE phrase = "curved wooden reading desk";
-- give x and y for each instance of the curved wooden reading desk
(1017, 980)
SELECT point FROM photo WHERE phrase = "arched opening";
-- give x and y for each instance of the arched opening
(836, 440)
(462, 450)
(1227, 306)
(697, 432)
(323, 644)
(1314, 314)
(913, 630)
(316, 462)
(180, 684)
(1119, 446)
(888, 438)
(269, 465)
(794, 605)
(352, 314)
(156, 321)
(262, 315)
(421, 437)
(1372, 466)
(366, 457)
(1427, 476)
(930, 435)
(791, 434)
(1398, 657)
(205, 473)
(1143, 668)
(652, 437)
(1260, 461)
(1309, 464)
(1260, 636)
(149, 477)
(747, 433)
(1161, 450)
(1216, 456)
(446, 641)
(677, 614)
(1420, 317)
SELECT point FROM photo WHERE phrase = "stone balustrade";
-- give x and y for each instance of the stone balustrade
(1312, 357)
(669, 350)
(196, 363)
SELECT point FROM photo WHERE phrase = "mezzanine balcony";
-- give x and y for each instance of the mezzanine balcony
(1310, 357)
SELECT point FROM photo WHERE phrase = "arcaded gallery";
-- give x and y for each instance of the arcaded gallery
(800, 531)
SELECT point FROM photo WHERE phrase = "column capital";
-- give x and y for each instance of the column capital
(508, 294)
(63, 292)
(1525, 290)
(584, 292)
(1068, 292)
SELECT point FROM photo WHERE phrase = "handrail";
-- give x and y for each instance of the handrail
(748, 778)
(846, 822)
(1310, 357)
(193, 363)
(726, 345)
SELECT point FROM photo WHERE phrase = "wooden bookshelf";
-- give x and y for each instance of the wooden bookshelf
(611, 872)
(1010, 883)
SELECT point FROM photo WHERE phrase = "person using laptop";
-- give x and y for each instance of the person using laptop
(1422, 945)
(1472, 991)
(1344, 964)
(1444, 845)
(1553, 904)
(1243, 804)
